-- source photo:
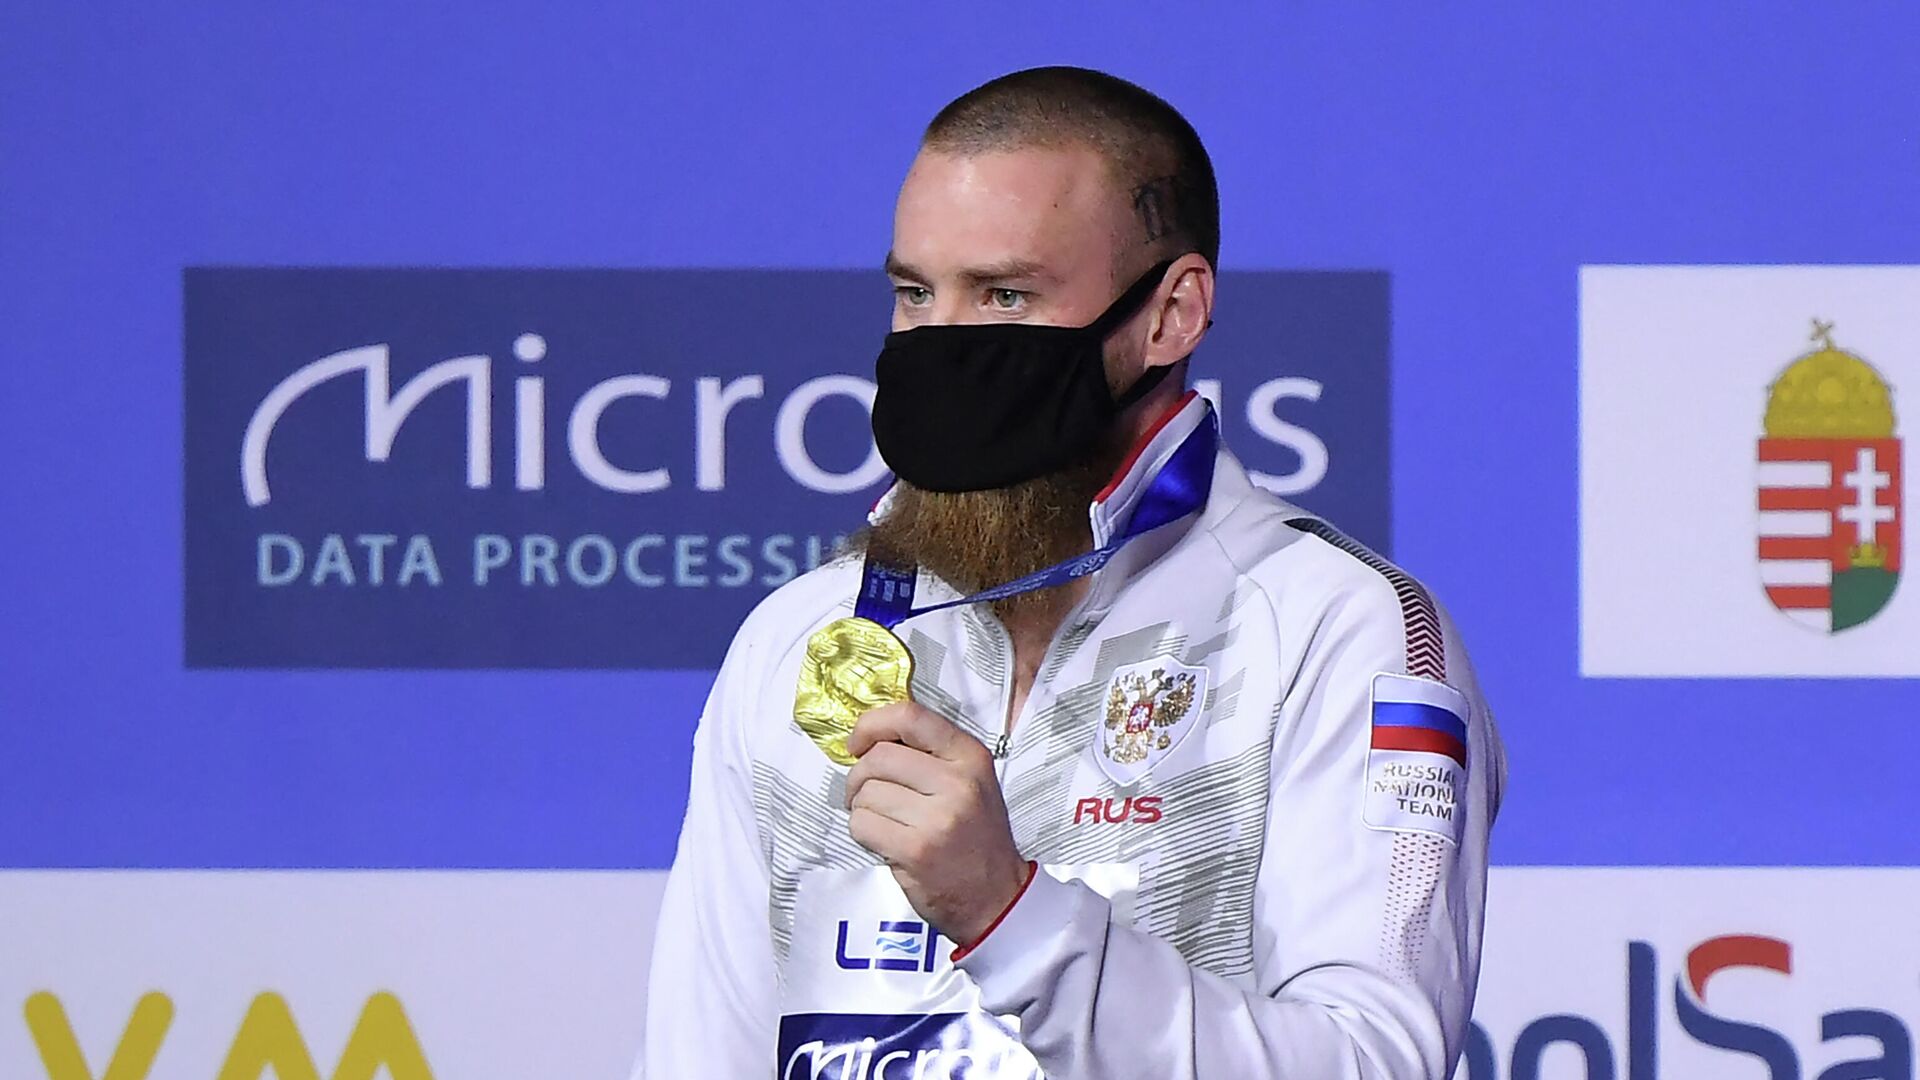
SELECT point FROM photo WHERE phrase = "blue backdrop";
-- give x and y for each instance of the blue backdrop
(1477, 156)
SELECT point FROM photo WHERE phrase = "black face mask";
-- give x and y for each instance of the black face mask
(974, 407)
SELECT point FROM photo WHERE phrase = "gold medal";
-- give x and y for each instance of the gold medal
(851, 665)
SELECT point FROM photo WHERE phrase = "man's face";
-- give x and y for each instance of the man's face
(1028, 235)
(1016, 236)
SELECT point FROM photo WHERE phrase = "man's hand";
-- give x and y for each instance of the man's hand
(924, 798)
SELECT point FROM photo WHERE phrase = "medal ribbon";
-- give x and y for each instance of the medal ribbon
(1177, 490)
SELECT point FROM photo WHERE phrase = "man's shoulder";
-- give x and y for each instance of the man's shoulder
(1309, 569)
(1332, 597)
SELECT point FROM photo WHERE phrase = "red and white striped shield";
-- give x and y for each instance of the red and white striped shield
(1830, 528)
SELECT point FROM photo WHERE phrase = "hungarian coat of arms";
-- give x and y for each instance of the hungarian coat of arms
(1831, 517)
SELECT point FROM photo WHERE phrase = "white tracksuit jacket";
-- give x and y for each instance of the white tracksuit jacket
(1250, 867)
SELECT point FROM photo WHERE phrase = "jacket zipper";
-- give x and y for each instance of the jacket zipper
(1004, 742)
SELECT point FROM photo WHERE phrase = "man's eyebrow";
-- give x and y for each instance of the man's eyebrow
(983, 276)
(1007, 270)
(977, 276)
(895, 268)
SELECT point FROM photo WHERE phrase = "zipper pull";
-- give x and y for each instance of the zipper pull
(1000, 748)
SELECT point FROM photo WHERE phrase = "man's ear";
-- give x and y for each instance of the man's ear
(1183, 310)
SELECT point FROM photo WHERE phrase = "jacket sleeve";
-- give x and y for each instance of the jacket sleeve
(711, 993)
(1366, 941)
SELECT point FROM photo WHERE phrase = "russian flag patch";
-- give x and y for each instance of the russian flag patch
(1417, 757)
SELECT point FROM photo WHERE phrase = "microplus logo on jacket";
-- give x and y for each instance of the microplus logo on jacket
(861, 1046)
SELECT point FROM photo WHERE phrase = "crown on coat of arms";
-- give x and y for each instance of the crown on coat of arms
(1829, 394)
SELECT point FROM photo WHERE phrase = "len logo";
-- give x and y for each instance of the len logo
(899, 945)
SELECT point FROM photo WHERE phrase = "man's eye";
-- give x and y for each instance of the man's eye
(913, 295)
(1006, 299)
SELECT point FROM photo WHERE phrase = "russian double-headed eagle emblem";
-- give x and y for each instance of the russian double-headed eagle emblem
(1149, 707)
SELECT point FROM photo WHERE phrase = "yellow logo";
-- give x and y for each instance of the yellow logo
(267, 1037)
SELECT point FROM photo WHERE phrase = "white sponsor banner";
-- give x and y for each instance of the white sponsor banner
(215, 975)
(211, 975)
(1590, 973)
(1675, 365)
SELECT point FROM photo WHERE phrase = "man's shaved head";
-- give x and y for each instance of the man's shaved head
(1153, 154)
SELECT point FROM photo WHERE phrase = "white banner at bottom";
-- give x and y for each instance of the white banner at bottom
(1602, 974)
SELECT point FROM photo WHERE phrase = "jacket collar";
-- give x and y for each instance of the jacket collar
(1118, 500)
(1113, 507)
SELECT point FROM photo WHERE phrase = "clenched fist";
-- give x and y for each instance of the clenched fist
(924, 798)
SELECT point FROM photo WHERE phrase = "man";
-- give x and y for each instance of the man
(1204, 794)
